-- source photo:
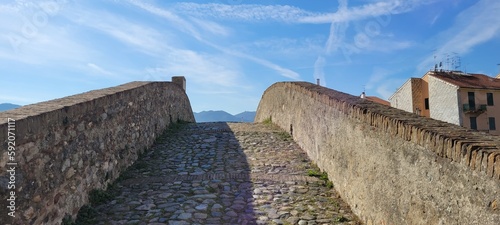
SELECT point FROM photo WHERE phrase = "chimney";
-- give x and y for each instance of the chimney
(317, 81)
(180, 80)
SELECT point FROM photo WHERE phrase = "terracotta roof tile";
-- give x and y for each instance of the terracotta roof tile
(378, 100)
(461, 80)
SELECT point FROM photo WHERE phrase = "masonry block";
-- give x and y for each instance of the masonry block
(69, 146)
(389, 165)
(180, 80)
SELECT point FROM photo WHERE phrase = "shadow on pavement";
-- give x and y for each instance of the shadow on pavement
(195, 175)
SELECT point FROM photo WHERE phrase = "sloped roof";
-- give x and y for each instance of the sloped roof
(378, 100)
(462, 80)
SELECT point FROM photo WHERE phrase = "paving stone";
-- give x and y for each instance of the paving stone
(184, 216)
(202, 207)
(223, 173)
(177, 222)
(292, 220)
(216, 206)
(232, 213)
(145, 207)
(216, 214)
(278, 221)
(200, 215)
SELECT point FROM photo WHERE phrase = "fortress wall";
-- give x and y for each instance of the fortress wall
(66, 147)
(391, 166)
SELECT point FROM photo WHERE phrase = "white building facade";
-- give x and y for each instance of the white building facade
(468, 100)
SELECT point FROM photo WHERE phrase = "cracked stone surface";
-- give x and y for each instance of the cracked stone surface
(224, 173)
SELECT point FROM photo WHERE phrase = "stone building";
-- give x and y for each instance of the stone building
(468, 100)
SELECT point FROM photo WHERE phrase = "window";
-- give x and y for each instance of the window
(426, 103)
(472, 101)
(489, 98)
(473, 124)
(492, 123)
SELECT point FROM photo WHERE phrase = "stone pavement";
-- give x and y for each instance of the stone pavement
(224, 173)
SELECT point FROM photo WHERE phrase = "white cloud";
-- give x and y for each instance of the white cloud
(189, 29)
(337, 30)
(140, 36)
(200, 68)
(29, 34)
(435, 18)
(384, 82)
(242, 12)
(282, 13)
(292, 14)
(100, 69)
(385, 45)
(177, 21)
(385, 90)
(475, 25)
(380, 11)
(281, 70)
(211, 27)
(203, 68)
(49, 46)
(378, 75)
(205, 72)
(287, 47)
(319, 73)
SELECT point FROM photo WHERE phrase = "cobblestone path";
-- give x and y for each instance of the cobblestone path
(224, 173)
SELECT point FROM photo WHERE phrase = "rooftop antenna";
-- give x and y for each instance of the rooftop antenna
(435, 62)
(455, 61)
(447, 62)
(440, 66)
(498, 69)
(465, 68)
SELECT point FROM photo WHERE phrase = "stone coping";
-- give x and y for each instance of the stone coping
(60, 103)
(477, 150)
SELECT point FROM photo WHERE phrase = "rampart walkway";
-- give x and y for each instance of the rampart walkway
(223, 173)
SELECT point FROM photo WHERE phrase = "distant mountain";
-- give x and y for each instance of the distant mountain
(8, 106)
(245, 116)
(217, 116)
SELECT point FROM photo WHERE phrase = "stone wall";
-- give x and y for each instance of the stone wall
(66, 147)
(391, 166)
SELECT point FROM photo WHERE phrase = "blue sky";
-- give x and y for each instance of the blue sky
(230, 51)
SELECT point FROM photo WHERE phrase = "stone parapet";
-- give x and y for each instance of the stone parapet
(66, 147)
(391, 166)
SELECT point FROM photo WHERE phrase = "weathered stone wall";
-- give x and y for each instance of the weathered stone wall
(391, 166)
(66, 147)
